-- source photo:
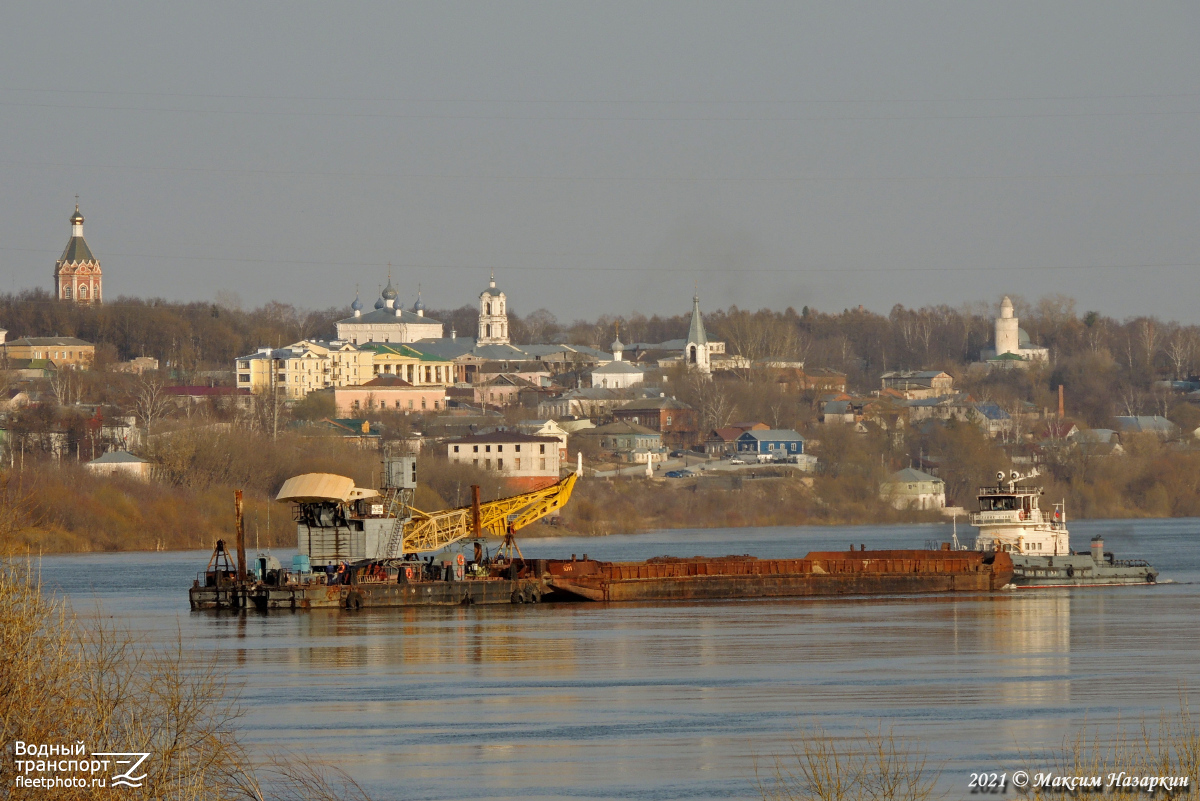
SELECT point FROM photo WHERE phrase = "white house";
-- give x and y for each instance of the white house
(914, 489)
(529, 462)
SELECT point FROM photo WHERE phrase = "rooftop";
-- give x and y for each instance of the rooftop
(503, 437)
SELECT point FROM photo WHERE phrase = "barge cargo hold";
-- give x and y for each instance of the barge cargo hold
(821, 573)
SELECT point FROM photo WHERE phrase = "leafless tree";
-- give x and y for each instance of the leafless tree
(1179, 348)
(66, 385)
(712, 400)
(1149, 340)
(150, 400)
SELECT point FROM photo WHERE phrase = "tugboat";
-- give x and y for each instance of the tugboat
(1010, 520)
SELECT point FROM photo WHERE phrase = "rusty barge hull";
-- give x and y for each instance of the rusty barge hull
(353, 597)
(866, 573)
(817, 574)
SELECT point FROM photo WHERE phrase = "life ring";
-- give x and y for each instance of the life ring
(462, 560)
(1070, 571)
(408, 574)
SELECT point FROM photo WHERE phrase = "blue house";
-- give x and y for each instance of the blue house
(783, 442)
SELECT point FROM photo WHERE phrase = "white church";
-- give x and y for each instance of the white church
(1012, 345)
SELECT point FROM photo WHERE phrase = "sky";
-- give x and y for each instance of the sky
(609, 157)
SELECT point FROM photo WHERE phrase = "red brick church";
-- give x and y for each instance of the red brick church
(77, 274)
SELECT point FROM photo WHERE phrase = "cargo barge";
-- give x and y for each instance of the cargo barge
(363, 548)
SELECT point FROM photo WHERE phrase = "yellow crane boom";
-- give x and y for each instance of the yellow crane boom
(432, 531)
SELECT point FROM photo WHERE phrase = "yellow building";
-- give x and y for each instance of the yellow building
(302, 367)
(62, 351)
(410, 365)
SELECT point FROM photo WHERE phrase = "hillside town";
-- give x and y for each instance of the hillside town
(708, 403)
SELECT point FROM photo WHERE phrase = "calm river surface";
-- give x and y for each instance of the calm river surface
(677, 701)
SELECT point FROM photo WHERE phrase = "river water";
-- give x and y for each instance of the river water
(590, 701)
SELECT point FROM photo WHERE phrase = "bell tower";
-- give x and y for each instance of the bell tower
(77, 275)
(493, 315)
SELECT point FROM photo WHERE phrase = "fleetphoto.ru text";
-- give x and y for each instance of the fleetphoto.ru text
(43, 766)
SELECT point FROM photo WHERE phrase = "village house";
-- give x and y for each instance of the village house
(547, 428)
(587, 402)
(364, 434)
(913, 489)
(499, 390)
(191, 396)
(779, 443)
(388, 393)
(121, 463)
(676, 421)
(624, 439)
(918, 384)
(527, 462)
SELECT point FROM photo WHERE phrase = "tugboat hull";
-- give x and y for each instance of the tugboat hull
(1077, 570)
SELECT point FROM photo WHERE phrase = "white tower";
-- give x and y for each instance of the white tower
(493, 315)
(1008, 338)
(695, 353)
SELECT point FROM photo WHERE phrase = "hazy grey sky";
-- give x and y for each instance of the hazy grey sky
(603, 157)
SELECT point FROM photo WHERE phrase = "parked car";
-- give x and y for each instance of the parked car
(737, 460)
(676, 454)
(679, 473)
(766, 458)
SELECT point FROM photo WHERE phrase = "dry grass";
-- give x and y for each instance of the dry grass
(882, 767)
(1169, 747)
(879, 766)
(64, 680)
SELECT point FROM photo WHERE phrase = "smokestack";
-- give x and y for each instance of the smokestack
(241, 535)
(1061, 414)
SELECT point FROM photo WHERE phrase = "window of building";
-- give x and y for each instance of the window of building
(435, 405)
(397, 404)
(668, 419)
(499, 464)
(517, 465)
(487, 463)
(487, 448)
(475, 461)
(410, 403)
(456, 449)
(244, 377)
(476, 448)
(517, 448)
(543, 461)
(67, 292)
(356, 405)
(541, 448)
(422, 401)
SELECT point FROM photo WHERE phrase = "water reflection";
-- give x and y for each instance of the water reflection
(670, 701)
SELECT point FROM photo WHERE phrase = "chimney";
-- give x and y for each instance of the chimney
(1061, 415)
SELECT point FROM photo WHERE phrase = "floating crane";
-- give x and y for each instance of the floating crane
(337, 521)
